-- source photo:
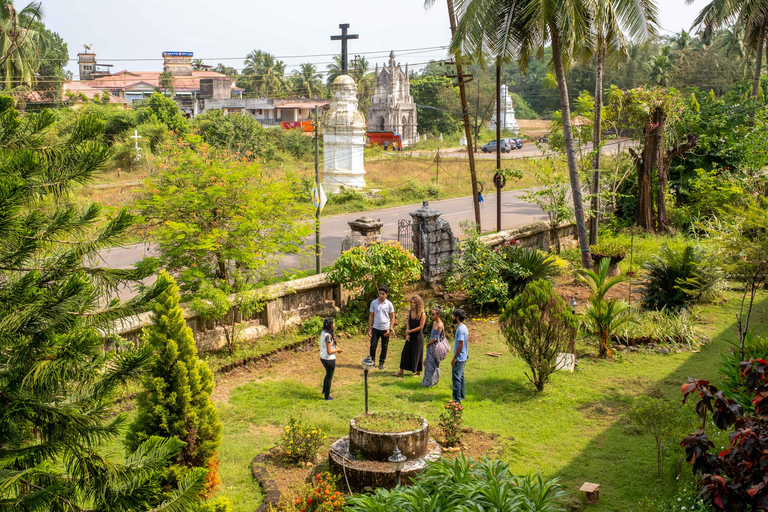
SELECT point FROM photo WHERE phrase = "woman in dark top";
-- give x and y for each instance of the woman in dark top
(413, 352)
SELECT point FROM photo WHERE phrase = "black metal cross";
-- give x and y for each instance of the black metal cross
(343, 38)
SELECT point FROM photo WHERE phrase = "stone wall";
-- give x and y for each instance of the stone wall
(536, 235)
(288, 304)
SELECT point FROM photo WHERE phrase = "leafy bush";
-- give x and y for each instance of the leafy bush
(300, 442)
(220, 504)
(162, 109)
(297, 144)
(671, 327)
(465, 484)
(450, 423)
(663, 420)
(679, 278)
(477, 272)
(348, 200)
(312, 325)
(734, 385)
(353, 317)
(523, 265)
(380, 264)
(537, 325)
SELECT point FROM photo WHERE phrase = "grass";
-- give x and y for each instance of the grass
(389, 421)
(576, 429)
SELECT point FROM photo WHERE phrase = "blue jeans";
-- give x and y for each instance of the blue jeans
(457, 375)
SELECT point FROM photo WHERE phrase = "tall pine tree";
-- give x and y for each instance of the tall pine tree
(56, 381)
(176, 400)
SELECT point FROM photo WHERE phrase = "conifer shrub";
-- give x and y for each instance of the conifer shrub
(176, 399)
(537, 324)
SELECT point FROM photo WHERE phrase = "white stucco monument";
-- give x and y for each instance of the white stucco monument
(343, 138)
(508, 120)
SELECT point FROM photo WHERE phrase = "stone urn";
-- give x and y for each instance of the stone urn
(613, 266)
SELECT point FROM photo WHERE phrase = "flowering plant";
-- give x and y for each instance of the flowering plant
(450, 422)
(321, 496)
(300, 442)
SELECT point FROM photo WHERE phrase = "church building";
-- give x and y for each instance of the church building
(392, 107)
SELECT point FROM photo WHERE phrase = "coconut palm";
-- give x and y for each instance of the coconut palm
(264, 73)
(660, 70)
(21, 48)
(751, 16)
(520, 29)
(334, 70)
(639, 19)
(307, 81)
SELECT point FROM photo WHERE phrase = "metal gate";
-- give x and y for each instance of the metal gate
(405, 234)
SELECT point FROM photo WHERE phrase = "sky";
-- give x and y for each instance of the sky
(132, 34)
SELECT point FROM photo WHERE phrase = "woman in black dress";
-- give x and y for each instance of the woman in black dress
(412, 357)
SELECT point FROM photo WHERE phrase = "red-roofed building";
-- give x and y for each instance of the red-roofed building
(76, 94)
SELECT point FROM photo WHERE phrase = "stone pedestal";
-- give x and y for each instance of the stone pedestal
(365, 231)
(433, 242)
(343, 138)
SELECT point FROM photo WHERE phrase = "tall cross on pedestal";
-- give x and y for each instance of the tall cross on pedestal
(343, 38)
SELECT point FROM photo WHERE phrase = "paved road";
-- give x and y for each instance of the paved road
(528, 150)
(514, 212)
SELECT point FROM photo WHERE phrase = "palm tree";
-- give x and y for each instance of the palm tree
(612, 17)
(520, 29)
(660, 70)
(307, 81)
(21, 48)
(265, 74)
(334, 70)
(751, 16)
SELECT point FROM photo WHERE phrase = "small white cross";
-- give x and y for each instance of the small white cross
(136, 138)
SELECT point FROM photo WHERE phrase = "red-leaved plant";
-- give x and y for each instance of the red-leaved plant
(736, 478)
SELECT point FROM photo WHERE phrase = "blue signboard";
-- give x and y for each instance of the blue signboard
(178, 54)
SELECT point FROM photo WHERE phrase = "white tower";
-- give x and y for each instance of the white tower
(343, 138)
(508, 120)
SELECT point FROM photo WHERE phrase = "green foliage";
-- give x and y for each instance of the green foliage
(322, 495)
(537, 324)
(226, 308)
(665, 421)
(375, 265)
(348, 199)
(463, 484)
(679, 278)
(670, 327)
(604, 316)
(353, 317)
(734, 384)
(243, 135)
(57, 384)
(312, 325)
(552, 196)
(523, 265)
(220, 504)
(222, 221)
(162, 109)
(522, 109)
(450, 423)
(608, 250)
(176, 396)
(300, 442)
(477, 271)
(435, 95)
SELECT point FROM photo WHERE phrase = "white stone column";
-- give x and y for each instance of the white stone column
(343, 138)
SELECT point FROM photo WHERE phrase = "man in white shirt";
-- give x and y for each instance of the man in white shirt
(381, 319)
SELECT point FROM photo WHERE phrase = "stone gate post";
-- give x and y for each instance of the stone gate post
(433, 242)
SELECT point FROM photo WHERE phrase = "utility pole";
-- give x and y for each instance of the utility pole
(467, 130)
(317, 184)
(497, 178)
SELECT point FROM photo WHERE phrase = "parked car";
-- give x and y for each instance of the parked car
(490, 147)
(511, 142)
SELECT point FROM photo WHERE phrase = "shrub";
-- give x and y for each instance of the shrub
(322, 495)
(312, 325)
(678, 278)
(537, 325)
(300, 442)
(465, 484)
(220, 504)
(477, 271)
(353, 317)
(671, 327)
(348, 200)
(450, 423)
(734, 385)
(663, 421)
(377, 265)
(523, 265)
(608, 250)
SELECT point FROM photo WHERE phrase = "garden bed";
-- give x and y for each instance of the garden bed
(389, 421)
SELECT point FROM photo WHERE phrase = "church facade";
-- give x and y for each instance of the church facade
(392, 107)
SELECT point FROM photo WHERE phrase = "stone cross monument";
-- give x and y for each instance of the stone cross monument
(508, 120)
(343, 138)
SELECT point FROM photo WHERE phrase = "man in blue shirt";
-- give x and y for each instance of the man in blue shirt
(460, 354)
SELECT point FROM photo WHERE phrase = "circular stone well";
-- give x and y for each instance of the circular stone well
(378, 446)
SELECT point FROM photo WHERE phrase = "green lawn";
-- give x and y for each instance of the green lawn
(576, 429)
